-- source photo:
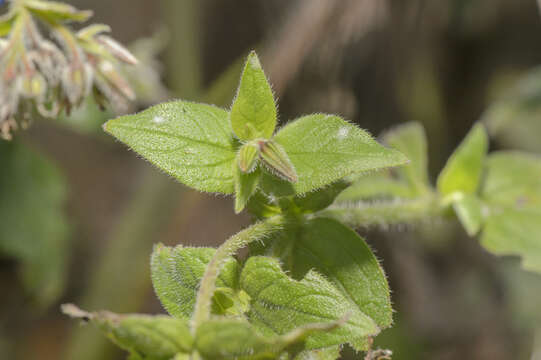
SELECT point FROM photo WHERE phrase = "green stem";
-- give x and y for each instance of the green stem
(385, 212)
(255, 232)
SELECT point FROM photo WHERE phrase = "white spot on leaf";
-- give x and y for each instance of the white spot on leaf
(342, 133)
(158, 120)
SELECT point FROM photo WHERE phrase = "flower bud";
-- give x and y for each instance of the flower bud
(247, 157)
(276, 160)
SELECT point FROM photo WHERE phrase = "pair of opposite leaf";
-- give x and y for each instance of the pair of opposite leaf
(214, 150)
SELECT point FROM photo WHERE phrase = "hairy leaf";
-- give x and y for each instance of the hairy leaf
(463, 170)
(221, 339)
(253, 114)
(176, 273)
(410, 139)
(342, 256)
(32, 194)
(190, 141)
(280, 304)
(245, 187)
(324, 149)
(319, 200)
(153, 337)
(512, 190)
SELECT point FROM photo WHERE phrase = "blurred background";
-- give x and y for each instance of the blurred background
(81, 227)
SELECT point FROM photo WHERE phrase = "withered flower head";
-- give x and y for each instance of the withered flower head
(46, 67)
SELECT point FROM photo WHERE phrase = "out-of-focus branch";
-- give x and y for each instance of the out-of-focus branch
(303, 27)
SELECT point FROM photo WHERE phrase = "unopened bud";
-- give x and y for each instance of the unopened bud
(117, 50)
(276, 160)
(247, 157)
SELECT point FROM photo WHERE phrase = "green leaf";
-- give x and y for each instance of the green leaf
(280, 304)
(253, 114)
(410, 139)
(515, 232)
(320, 199)
(190, 141)
(469, 210)
(512, 190)
(156, 337)
(463, 170)
(261, 206)
(176, 273)
(57, 11)
(245, 187)
(219, 339)
(32, 193)
(342, 256)
(329, 353)
(324, 149)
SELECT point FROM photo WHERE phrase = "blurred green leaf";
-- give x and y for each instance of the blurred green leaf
(149, 337)
(32, 194)
(280, 304)
(514, 118)
(324, 149)
(221, 339)
(189, 141)
(512, 190)
(253, 114)
(410, 139)
(469, 211)
(463, 170)
(176, 273)
(343, 257)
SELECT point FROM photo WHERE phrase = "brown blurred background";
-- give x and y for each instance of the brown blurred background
(375, 62)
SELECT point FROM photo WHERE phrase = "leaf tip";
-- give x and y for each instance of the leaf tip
(75, 312)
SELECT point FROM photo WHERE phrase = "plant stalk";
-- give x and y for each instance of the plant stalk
(256, 232)
(363, 214)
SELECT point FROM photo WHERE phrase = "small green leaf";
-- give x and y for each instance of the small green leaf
(276, 160)
(253, 114)
(245, 187)
(324, 149)
(32, 193)
(463, 170)
(247, 157)
(261, 206)
(512, 190)
(280, 304)
(320, 199)
(342, 256)
(224, 339)
(57, 11)
(410, 139)
(154, 337)
(189, 141)
(469, 211)
(176, 273)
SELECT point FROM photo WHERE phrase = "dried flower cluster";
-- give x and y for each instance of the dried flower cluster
(55, 74)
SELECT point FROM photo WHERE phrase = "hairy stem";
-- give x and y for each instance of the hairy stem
(255, 232)
(385, 212)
